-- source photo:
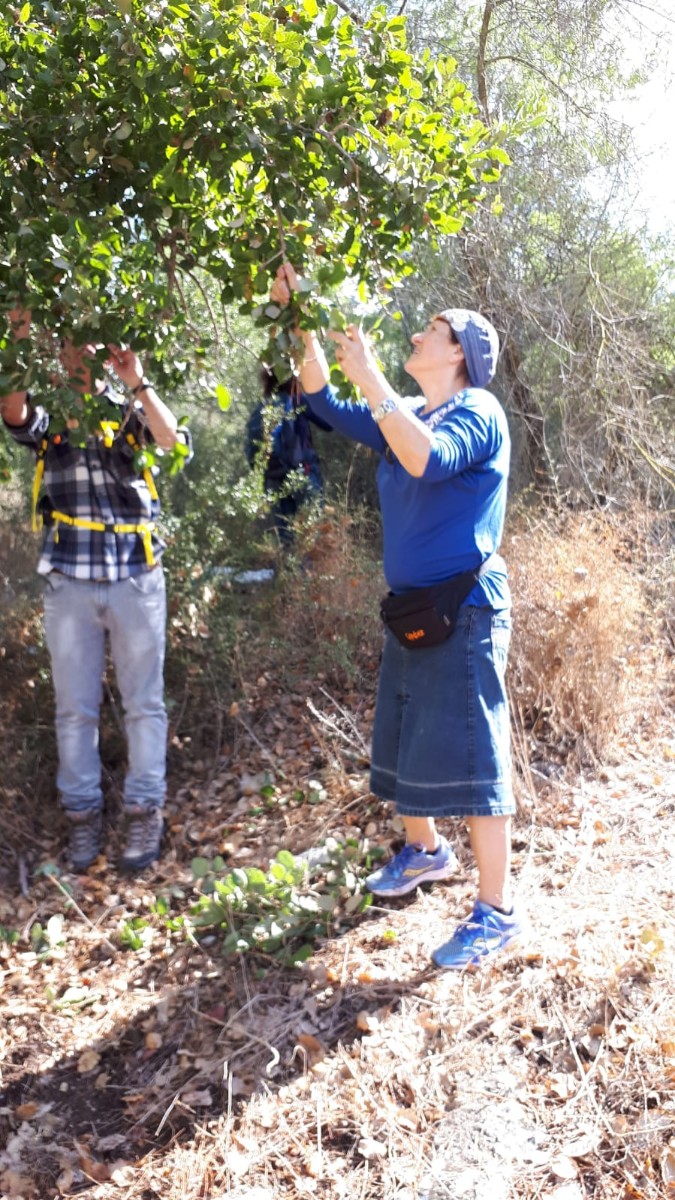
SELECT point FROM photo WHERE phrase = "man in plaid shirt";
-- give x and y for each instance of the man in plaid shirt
(102, 575)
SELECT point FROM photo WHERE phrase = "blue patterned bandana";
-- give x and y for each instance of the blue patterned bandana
(478, 340)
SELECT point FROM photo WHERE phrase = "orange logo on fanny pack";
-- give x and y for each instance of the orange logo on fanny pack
(415, 634)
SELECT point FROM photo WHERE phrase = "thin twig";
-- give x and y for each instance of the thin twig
(167, 1114)
(338, 813)
(209, 307)
(83, 916)
(282, 239)
(218, 735)
(580, 1068)
(268, 261)
(228, 1126)
(237, 341)
(331, 724)
(263, 749)
(181, 293)
(348, 718)
(23, 876)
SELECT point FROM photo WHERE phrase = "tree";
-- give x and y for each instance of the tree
(142, 144)
(581, 300)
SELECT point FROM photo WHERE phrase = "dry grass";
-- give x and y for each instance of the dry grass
(588, 657)
(328, 612)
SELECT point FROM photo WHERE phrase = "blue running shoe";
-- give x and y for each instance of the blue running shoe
(412, 866)
(482, 935)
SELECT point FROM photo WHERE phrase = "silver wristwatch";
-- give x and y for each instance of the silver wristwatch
(388, 405)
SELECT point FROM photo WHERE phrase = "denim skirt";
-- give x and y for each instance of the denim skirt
(441, 738)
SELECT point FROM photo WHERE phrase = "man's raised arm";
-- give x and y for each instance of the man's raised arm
(161, 422)
(14, 407)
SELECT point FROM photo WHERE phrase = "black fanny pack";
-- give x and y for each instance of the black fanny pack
(427, 616)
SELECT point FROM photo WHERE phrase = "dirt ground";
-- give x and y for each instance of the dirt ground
(171, 1071)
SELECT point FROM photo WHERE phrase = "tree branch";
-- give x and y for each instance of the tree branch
(481, 61)
(524, 62)
(209, 308)
(350, 12)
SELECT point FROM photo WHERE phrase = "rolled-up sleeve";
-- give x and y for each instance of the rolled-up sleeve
(32, 431)
(467, 439)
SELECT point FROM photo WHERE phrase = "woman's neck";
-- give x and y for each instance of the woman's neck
(439, 392)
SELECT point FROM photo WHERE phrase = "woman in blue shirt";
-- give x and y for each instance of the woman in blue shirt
(441, 731)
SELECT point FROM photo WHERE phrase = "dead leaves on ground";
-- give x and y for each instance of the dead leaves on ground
(348, 1071)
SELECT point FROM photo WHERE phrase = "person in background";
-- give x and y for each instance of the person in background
(102, 572)
(292, 469)
(441, 730)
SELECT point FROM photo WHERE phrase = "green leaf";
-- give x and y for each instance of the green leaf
(256, 878)
(302, 954)
(200, 867)
(224, 116)
(143, 460)
(78, 997)
(223, 397)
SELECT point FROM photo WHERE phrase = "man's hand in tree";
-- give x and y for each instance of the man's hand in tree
(286, 282)
(19, 319)
(126, 365)
(14, 408)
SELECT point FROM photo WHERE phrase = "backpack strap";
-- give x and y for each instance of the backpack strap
(36, 519)
(108, 431)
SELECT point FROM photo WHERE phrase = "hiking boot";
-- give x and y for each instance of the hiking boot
(84, 837)
(481, 936)
(412, 866)
(145, 829)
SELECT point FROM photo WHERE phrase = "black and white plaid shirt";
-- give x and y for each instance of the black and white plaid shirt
(94, 483)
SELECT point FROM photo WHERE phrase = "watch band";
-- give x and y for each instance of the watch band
(388, 405)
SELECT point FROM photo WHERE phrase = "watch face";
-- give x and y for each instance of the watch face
(387, 406)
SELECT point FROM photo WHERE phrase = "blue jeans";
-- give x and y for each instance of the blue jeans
(78, 615)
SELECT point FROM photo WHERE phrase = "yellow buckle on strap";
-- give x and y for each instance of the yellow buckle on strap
(108, 431)
(144, 530)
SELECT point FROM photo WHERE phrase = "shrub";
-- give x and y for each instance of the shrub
(586, 651)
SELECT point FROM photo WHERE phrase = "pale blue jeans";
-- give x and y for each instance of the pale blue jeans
(78, 616)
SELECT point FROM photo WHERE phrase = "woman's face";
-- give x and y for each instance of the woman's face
(433, 351)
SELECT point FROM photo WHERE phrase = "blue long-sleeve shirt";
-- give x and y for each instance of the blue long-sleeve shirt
(451, 518)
